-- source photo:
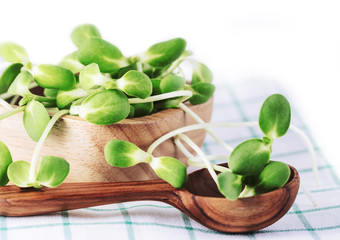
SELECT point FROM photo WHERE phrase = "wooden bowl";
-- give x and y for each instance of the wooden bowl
(82, 143)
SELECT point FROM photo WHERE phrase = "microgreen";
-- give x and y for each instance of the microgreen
(202, 92)
(272, 177)
(55, 77)
(20, 85)
(201, 73)
(14, 53)
(18, 173)
(274, 116)
(230, 184)
(71, 63)
(249, 157)
(66, 98)
(120, 153)
(135, 84)
(5, 161)
(124, 154)
(83, 32)
(164, 53)
(51, 173)
(90, 76)
(8, 76)
(35, 119)
(105, 107)
(170, 170)
(172, 83)
(141, 109)
(108, 57)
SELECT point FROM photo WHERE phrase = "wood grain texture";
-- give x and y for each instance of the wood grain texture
(82, 143)
(201, 202)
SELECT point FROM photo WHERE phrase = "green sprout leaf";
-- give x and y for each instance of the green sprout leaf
(156, 86)
(168, 103)
(132, 112)
(18, 173)
(90, 76)
(135, 84)
(162, 54)
(55, 77)
(20, 85)
(8, 76)
(35, 119)
(170, 170)
(65, 98)
(275, 114)
(273, 176)
(249, 157)
(120, 153)
(83, 32)
(202, 92)
(120, 73)
(5, 161)
(142, 109)
(230, 185)
(172, 83)
(201, 73)
(108, 57)
(71, 63)
(13, 53)
(52, 171)
(48, 92)
(105, 107)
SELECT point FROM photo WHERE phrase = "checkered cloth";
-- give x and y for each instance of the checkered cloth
(154, 220)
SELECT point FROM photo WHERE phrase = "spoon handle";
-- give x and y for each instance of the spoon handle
(24, 202)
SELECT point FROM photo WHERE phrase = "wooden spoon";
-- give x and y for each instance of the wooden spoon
(200, 200)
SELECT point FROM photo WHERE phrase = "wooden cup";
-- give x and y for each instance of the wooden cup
(82, 143)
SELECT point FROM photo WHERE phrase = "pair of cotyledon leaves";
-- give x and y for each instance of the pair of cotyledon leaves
(51, 173)
(249, 161)
(121, 153)
(93, 49)
(46, 75)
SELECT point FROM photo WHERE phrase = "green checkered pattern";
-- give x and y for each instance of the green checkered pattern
(153, 220)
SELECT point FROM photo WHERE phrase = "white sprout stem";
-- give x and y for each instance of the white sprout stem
(139, 66)
(182, 93)
(40, 143)
(202, 165)
(182, 148)
(173, 66)
(193, 159)
(75, 110)
(12, 112)
(309, 195)
(199, 120)
(5, 104)
(201, 154)
(14, 99)
(211, 157)
(310, 149)
(196, 127)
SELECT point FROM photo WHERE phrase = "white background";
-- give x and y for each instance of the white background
(296, 43)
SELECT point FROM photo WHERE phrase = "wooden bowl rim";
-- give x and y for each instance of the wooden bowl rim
(145, 119)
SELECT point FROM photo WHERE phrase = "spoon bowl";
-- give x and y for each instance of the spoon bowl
(200, 200)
